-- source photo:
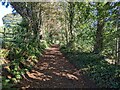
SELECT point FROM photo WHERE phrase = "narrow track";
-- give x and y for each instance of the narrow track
(54, 71)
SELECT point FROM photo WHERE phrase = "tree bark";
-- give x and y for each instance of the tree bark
(71, 17)
(98, 46)
(119, 51)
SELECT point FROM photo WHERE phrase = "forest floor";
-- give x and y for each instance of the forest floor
(54, 71)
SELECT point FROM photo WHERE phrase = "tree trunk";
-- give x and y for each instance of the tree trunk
(71, 16)
(31, 12)
(70, 23)
(118, 37)
(66, 32)
(119, 51)
(98, 47)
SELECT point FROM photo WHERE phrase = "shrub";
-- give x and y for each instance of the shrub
(94, 66)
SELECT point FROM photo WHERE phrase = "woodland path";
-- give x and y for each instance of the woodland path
(54, 71)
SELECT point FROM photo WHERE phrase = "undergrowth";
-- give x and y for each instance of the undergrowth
(105, 75)
(23, 53)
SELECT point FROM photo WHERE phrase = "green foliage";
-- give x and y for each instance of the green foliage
(104, 74)
(11, 19)
(3, 53)
(23, 54)
(6, 83)
(72, 24)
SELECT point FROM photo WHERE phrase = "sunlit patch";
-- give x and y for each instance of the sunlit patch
(25, 87)
(53, 60)
(51, 68)
(54, 63)
(56, 73)
(77, 72)
(54, 49)
(49, 56)
(63, 57)
(43, 66)
(38, 76)
(67, 75)
(66, 71)
(111, 61)
(57, 51)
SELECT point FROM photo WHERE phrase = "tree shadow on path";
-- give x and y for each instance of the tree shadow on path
(54, 71)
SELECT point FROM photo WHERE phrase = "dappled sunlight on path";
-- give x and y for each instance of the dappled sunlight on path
(54, 71)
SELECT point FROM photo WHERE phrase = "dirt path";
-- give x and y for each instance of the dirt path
(54, 71)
